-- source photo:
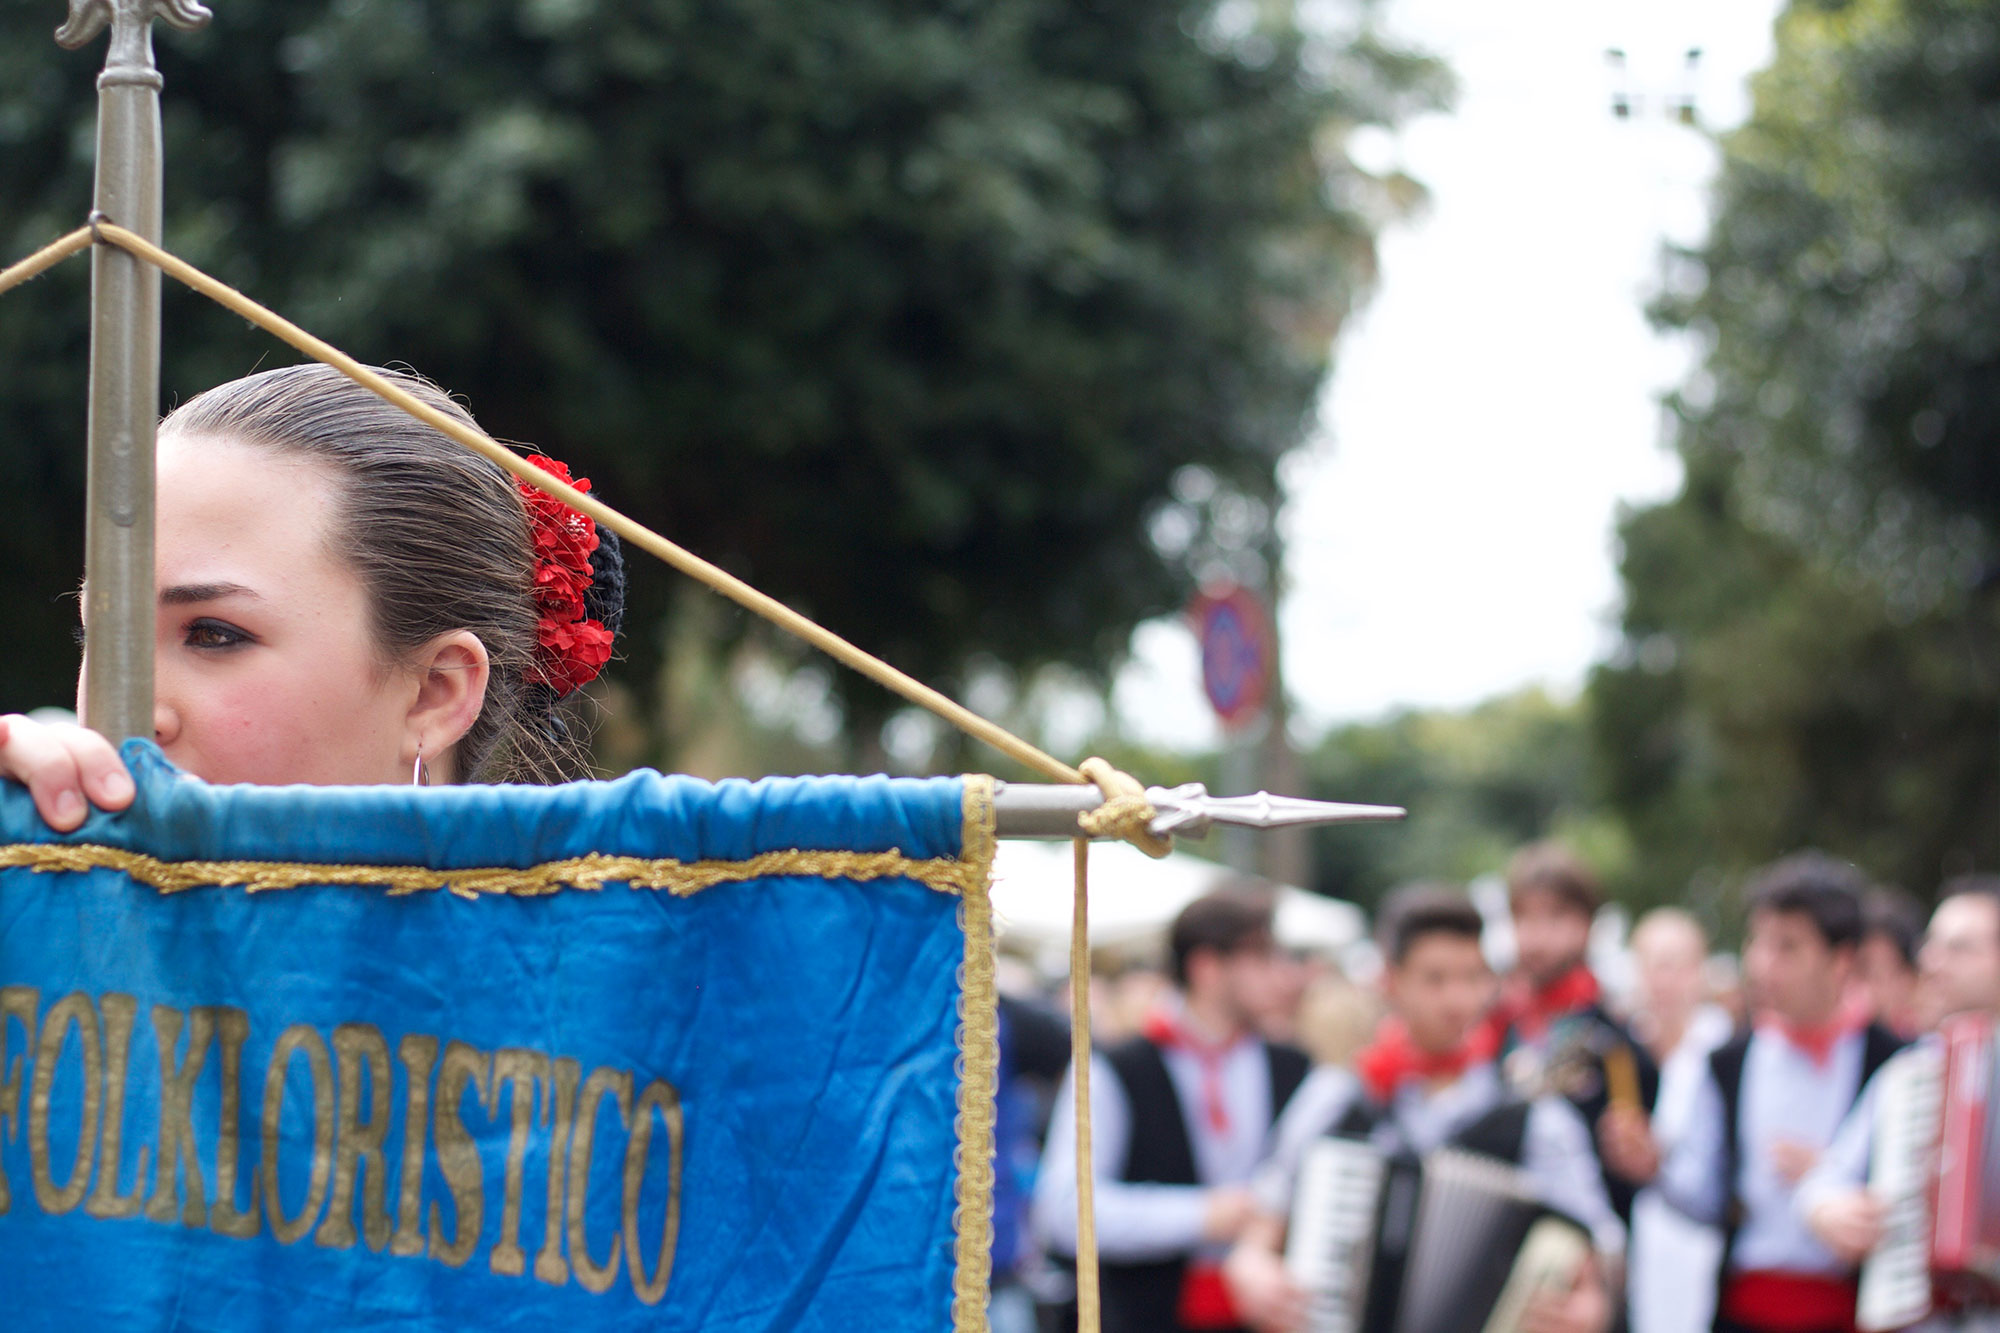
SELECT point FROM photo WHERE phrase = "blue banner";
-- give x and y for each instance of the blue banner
(651, 1053)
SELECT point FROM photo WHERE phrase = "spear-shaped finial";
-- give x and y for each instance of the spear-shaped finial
(131, 24)
(1030, 810)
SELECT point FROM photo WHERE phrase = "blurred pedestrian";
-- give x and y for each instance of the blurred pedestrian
(1673, 1265)
(1034, 1053)
(1179, 1118)
(1770, 1103)
(1960, 966)
(1885, 966)
(1427, 1080)
(1554, 1030)
(1336, 1019)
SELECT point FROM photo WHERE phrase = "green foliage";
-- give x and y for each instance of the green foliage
(1810, 644)
(1478, 784)
(906, 310)
(1853, 292)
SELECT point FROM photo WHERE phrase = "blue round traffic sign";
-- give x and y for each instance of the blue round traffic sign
(1238, 651)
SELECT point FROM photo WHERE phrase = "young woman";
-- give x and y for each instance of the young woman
(347, 596)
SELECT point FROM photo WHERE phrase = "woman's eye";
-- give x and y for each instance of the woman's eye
(213, 634)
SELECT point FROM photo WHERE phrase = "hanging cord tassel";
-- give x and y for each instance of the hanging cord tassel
(1127, 814)
(1087, 1309)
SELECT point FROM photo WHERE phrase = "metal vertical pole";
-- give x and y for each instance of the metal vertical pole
(124, 363)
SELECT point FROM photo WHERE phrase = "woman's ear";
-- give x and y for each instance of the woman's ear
(452, 670)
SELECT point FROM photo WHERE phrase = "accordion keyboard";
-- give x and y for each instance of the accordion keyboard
(1896, 1279)
(1331, 1244)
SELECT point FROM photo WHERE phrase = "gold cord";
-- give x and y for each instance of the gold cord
(45, 258)
(1087, 1315)
(1125, 814)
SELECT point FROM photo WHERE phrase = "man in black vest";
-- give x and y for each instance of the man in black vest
(1771, 1104)
(1428, 1080)
(1554, 1031)
(1179, 1118)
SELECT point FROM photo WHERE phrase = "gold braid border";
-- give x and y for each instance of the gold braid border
(680, 878)
(978, 1068)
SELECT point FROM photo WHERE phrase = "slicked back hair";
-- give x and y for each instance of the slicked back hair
(437, 535)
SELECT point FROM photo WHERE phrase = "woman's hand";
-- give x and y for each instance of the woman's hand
(66, 768)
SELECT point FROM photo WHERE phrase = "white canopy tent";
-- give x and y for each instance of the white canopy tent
(1133, 900)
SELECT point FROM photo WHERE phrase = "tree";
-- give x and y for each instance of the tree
(1809, 639)
(909, 311)
(1478, 784)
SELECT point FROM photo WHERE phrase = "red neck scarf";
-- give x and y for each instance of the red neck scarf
(1817, 1040)
(1172, 1032)
(1531, 1011)
(1393, 1059)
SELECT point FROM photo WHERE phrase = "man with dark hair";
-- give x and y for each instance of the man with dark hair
(1959, 966)
(1892, 926)
(1554, 1032)
(1772, 1102)
(1427, 1081)
(1179, 1118)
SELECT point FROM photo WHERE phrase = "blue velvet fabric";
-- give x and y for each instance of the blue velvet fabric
(789, 1040)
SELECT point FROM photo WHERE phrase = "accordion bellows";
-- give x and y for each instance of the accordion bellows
(1452, 1243)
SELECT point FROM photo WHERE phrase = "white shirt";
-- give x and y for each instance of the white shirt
(1672, 1273)
(1138, 1222)
(1556, 1152)
(1844, 1164)
(1786, 1094)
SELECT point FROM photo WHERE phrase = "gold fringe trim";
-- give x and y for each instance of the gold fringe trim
(591, 872)
(978, 1068)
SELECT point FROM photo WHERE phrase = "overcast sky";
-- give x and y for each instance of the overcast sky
(1450, 525)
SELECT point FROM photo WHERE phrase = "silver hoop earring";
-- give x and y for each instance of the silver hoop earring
(420, 773)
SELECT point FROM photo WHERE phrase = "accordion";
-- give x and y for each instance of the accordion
(1455, 1241)
(1936, 1166)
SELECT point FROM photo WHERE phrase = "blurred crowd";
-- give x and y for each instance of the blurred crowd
(1704, 1120)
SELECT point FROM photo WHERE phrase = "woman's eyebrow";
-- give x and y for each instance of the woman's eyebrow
(181, 594)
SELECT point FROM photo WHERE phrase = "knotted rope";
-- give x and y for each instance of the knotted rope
(1125, 814)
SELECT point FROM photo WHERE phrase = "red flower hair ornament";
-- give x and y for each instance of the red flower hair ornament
(573, 647)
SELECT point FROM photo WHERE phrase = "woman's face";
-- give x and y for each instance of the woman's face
(265, 668)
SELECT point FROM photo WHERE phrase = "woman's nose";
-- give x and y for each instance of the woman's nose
(166, 724)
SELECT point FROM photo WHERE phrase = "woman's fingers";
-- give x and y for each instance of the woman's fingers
(65, 768)
(105, 780)
(33, 755)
